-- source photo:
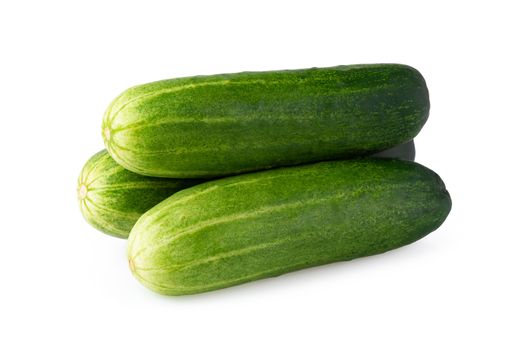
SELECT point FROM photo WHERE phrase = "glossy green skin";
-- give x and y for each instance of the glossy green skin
(243, 228)
(211, 126)
(112, 198)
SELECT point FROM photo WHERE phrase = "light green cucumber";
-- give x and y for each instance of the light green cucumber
(247, 227)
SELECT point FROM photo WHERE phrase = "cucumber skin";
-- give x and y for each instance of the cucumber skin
(211, 126)
(115, 198)
(247, 227)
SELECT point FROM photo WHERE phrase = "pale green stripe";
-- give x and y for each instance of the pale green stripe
(242, 216)
(188, 120)
(131, 216)
(137, 185)
(117, 169)
(107, 225)
(226, 82)
(93, 167)
(220, 256)
(214, 187)
(164, 91)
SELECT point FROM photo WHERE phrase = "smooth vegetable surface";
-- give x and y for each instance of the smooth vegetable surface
(210, 126)
(247, 227)
(112, 198)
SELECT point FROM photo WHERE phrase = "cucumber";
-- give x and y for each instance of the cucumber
(112, 198)
(247, 227)
(211, 126)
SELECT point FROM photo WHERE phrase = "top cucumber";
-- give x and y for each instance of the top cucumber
(209, 126)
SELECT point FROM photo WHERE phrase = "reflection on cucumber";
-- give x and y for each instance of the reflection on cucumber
(405, 151)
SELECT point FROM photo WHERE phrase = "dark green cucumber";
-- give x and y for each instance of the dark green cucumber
(210, 126)
(247, 227)
(112, 198)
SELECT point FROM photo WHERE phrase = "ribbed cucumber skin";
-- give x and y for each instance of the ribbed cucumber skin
(247, 227)
(112, 198)
(211, 126)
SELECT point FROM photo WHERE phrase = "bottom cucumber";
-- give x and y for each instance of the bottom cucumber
(243, 228)
(112, 198)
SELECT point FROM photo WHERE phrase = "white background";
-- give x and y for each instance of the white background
(66, 286)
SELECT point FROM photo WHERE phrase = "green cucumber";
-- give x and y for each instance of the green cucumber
(112, 198)
(247, 227)
(211, 126)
